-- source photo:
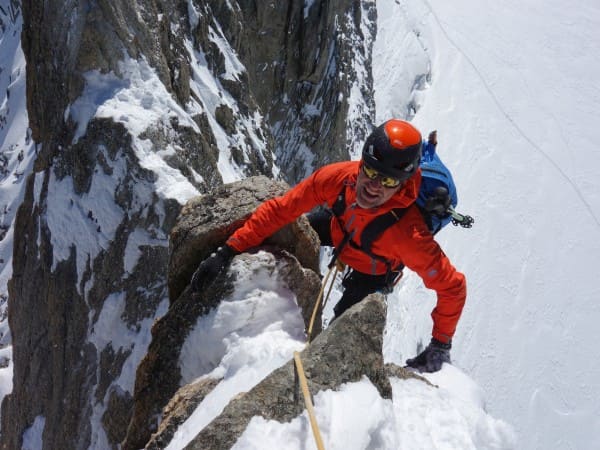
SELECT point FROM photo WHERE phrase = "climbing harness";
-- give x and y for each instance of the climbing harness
(370, 234)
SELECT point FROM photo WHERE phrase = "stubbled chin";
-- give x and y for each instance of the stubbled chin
(366, 200)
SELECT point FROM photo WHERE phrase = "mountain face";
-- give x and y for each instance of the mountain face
(134, 108)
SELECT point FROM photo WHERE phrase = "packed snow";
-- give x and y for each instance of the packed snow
(511, 88)
(247, 336)
(420, 417)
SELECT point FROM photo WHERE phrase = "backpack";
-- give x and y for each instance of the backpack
(435, 175)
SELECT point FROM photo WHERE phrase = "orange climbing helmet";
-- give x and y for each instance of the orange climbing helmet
(394, 149)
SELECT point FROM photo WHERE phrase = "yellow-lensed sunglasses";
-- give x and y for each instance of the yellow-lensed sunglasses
(386, 181)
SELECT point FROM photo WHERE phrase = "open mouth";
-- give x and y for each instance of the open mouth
(368, 195)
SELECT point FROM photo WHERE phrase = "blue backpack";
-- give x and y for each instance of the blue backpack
(437, 180)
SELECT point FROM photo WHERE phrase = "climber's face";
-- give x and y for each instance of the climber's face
(372, 188)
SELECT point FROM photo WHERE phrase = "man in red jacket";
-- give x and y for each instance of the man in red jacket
(385, 181)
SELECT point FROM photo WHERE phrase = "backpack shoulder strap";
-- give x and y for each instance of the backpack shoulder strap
(375, 228)
(378, 225)
(370, 233)
(339, 206)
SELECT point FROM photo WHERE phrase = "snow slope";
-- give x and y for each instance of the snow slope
(513, 93)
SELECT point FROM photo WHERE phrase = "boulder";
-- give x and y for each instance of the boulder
(180, 407)
(207, 221)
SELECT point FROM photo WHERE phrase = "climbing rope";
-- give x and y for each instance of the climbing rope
(338, 266)
(308, 401)
(334, 268)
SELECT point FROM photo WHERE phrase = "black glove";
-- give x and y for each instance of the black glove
(439, 202)
(211, 266)
(432, 358)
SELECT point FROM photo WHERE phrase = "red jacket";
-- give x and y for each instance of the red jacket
(408, 242)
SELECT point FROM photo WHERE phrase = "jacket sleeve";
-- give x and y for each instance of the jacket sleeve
(273, 214)
(424, 256)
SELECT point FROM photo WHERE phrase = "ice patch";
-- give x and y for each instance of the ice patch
(32, 437)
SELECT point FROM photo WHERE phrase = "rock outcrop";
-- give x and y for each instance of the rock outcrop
(348, 350)
(204, 224)
(179, 408)
(345, 352)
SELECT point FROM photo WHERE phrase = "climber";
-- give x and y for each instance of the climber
(385, 182)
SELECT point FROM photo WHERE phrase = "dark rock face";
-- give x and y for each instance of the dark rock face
(285, 92)
(43, 336)
(303, 65)
(59, 372)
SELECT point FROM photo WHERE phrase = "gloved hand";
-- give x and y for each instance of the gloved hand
(211, 266)
(439, 202)
(432, 358)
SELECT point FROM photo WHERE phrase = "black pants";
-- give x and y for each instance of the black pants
(357, 285)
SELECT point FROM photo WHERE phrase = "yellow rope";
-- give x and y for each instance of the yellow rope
(319, 297)
(308, 402)
(339, 267)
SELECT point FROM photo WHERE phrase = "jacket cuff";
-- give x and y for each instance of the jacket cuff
(234, 245)
(444, 338)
